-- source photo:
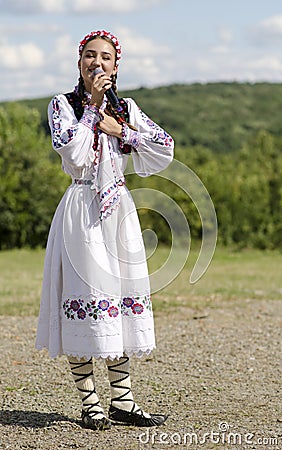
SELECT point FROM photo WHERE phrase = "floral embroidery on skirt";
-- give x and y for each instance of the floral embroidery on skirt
(100, 309)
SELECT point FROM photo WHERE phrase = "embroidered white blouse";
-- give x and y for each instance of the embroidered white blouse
(95, 294)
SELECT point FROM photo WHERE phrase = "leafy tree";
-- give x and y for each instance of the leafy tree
(30, 181)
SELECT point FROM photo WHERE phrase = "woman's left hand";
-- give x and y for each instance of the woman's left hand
(110, 126)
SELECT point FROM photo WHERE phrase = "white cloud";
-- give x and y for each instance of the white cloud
(45, 64)
(143, 59)
(28, 27)
(74, 6)
(110, 6)
(62, 63)
(32, 6)
(240, 67)
(221, 49)
(271, 26)
(268, 32)
(225, 35)
(21, 56)
(267, 64)
(132, 44)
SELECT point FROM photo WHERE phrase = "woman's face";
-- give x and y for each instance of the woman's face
(97, 53)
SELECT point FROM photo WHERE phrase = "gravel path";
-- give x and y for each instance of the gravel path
(216, 371)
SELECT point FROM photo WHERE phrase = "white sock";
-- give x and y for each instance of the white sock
(82, 372)
(120, 384)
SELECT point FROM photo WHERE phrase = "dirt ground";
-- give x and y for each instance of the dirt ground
(216, 372)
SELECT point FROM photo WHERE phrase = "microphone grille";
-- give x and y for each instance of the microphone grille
(97, 70)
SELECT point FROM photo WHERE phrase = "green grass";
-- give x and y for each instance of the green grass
(20, 281)
(232, 275)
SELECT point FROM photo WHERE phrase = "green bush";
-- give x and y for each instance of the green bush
(31, 182)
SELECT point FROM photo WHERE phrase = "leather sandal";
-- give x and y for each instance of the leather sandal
(137, 418)
(88, 421)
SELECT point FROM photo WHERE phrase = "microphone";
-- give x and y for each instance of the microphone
(111, 96)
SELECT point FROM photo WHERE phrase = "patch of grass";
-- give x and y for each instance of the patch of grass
(231, 275)
(20, 281)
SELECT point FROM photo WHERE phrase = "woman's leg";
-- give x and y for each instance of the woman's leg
(123, 407)
(92, 412)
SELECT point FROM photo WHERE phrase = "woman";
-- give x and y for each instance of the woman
(95, 295)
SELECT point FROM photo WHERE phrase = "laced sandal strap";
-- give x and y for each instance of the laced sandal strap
(113, 368)
(137, 411)
(115, 384)
(92, 414)
(89, 406)
(90, 400)
(78, 365)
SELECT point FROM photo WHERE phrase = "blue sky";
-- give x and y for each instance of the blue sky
(163, 41)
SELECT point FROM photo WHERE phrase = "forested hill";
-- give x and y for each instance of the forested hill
(218, 116)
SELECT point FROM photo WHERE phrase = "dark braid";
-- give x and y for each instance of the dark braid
(81, 88)
(114, 83)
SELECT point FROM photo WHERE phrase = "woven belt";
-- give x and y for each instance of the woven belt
(82, 181)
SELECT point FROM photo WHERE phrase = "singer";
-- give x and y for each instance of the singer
(95, 300)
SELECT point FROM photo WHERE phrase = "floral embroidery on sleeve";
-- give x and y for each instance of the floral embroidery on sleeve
(158, 135)
(60, 138)
(130, 137)
(90, 117)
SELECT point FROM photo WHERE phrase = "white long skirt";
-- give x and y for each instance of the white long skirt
(95, 294)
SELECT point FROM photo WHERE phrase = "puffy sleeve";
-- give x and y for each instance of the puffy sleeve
(153, 146)
(73, 140)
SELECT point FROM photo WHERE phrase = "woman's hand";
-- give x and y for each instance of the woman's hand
(110, 126)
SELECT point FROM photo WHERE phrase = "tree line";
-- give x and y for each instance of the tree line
(233, 147)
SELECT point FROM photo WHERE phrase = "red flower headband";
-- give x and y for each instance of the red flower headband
(101, 33)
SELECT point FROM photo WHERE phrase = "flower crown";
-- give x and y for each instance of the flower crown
(101, 33)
